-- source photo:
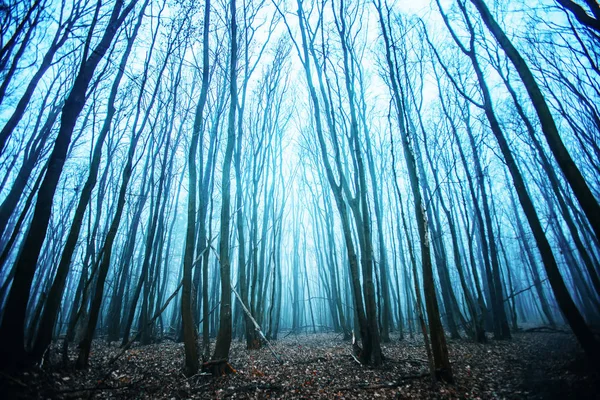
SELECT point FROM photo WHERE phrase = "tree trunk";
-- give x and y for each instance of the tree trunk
(572, 174)
(12, 327)
(438, 340)
(223, 342)
(56, 291)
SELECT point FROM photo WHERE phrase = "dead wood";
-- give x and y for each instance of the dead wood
(256, 326)
(14, 380)
(545, 329)
(413, 361)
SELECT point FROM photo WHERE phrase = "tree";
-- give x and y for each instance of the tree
(571, 172)
(55, 294)
(11, 329)
(438, 340)
(189, 330)
(563, 297)
(590, 21)
(224, 335)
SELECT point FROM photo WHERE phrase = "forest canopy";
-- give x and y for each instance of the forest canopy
(205, 171)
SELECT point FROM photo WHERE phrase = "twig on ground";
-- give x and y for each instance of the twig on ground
(355, 359)
(14, 380)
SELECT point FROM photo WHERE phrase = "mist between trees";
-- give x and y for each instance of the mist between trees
(191, 170)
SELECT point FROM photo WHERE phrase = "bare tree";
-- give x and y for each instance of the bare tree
(11, 330)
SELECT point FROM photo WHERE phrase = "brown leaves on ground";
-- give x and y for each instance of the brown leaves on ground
(532, 365)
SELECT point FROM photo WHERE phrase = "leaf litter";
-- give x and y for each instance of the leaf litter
(536, 365)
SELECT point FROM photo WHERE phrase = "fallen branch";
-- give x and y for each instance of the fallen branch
(545, 329)
(256, 326)
(289, 333)
(356, 350)
(14, 380)
(415, 361)
(355, 359)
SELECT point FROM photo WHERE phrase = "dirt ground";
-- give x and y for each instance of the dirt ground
(538, 365)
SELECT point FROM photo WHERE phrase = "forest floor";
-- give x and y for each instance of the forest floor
(538, 365)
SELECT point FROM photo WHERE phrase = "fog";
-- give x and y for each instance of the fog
(206, 172)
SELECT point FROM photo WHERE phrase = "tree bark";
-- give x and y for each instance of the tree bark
(223, 342)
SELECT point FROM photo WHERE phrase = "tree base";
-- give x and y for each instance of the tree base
(218, 367)
(254, 344)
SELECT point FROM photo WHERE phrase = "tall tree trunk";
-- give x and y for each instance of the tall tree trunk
(223, 342)
(55, 294)
(581, 330)
(12, 327)
(572, 174)
(189, 327)
(438, 339)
